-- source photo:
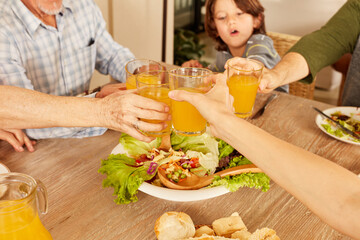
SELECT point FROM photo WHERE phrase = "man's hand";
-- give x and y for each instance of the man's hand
(17, 138)
(269, 79)
(110, 88)
(124, 111)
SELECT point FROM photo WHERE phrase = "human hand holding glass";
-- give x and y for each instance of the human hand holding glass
(186, 118)
(213, 105)
(243, 78)
(155, 85)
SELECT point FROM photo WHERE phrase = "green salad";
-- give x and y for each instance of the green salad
(350, 122)
(201, 155)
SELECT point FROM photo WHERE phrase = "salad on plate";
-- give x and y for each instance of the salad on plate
(138, 162)
(351, 122)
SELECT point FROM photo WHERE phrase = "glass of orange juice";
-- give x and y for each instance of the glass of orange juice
(186, 118)
(19, 217)
(243, 78)
(155, 85)
(136, 66)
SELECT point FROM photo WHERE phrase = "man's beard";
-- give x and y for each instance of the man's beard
(52, 11)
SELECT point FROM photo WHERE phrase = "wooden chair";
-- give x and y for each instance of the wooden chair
(282, 43)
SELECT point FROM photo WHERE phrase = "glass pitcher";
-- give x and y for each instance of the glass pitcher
(20, 197)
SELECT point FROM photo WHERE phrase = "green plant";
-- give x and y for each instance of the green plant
(187, 46)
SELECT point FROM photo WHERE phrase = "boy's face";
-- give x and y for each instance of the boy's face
(234, 26)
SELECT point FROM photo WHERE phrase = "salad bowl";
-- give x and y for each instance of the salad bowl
(176, 195)
(134, 165)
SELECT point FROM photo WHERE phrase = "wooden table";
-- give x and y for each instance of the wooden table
(79, 208)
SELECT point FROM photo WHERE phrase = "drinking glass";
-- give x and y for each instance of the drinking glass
(20, 198)
(155, 85)
(185, 117)
(243, 78)
(136, 66)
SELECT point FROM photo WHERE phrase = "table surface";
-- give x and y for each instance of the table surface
(79, 208)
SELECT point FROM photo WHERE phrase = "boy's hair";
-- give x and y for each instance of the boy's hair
(252, 7)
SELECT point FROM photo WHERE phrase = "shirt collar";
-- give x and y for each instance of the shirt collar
(29, 20)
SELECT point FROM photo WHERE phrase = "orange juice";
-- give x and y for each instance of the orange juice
(21, 222)
(131, 82)
(243, 89)
(186, 118)
(159, 94)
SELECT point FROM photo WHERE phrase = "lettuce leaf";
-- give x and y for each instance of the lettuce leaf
(224, 149)
(251, 180)
(134, 147)
(204, 143)
(124, 178)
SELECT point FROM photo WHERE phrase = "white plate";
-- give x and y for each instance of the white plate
(344, 110)
(3, 169)
(176, 195)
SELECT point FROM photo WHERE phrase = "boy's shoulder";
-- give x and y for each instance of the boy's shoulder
(261, 47)
(260, 39)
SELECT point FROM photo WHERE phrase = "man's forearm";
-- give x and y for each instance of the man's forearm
(291, 68)
(23, 108)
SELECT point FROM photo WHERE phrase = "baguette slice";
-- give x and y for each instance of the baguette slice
(264, 234)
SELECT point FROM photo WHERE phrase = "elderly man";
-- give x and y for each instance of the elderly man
(53, 46)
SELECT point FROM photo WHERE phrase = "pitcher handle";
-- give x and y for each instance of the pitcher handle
(42, 197)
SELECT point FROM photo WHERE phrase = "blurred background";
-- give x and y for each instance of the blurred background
(172, 31)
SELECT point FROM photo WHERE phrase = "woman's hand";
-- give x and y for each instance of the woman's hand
(124, 111)
(192, 63)
(17, 138)
(213, 106)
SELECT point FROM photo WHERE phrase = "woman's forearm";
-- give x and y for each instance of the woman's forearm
(310, 178)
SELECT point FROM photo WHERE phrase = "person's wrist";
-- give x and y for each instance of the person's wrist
(220, 127)
(100, 112)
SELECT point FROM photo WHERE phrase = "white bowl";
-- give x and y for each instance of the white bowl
(176, 195)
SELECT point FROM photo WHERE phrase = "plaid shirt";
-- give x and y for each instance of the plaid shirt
(58, 61)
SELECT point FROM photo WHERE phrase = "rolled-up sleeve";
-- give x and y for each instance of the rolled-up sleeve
(326, 45)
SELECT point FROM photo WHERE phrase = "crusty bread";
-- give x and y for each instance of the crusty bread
(241, 235)
(264, 234)
(204, 230)
(227, 226)
(208, 237)
(174, 226)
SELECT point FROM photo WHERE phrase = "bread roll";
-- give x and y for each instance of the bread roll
(227, 226)
(241, 235)
(174, 226)
(264, 234)
(207, 237)
(204, 230)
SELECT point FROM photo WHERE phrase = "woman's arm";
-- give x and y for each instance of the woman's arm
(330, 191)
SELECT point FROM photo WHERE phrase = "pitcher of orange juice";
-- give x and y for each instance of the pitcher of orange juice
(20, 198)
